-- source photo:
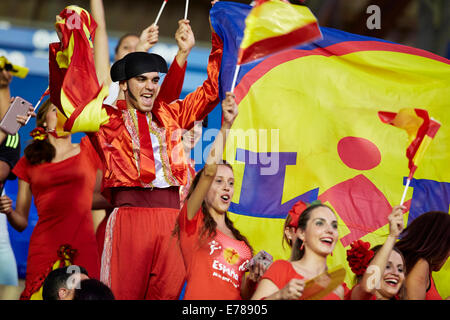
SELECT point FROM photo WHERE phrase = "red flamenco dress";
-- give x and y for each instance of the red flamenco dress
(64, 233)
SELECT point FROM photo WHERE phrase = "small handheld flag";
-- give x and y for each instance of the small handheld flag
(272, 26)
(421, 130)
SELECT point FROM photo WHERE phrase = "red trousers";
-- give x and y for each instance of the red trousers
(141, 259)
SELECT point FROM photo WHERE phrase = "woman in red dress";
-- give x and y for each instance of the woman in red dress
(317, 235)
(214, 251)
(61, 177)
(380, 271)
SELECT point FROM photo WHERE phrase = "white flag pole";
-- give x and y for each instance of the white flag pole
(408, 181)
(160, 11)
(236, 72)
(186, 9)
(36, 106)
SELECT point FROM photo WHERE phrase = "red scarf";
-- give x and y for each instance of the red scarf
(146, 158)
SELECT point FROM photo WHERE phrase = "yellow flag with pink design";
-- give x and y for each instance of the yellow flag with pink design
(309, 128)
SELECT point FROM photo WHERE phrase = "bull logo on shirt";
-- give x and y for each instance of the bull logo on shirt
(230, 255)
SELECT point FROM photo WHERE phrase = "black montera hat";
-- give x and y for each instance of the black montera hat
(136, 63)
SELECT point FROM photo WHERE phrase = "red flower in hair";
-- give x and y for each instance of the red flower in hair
(295, 212)
(38, 133)
(359, 256)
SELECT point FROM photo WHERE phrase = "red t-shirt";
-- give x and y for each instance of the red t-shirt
(281, 272)
(215, 266)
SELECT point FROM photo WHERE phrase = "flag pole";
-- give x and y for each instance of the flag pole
(186, 9)
(37, 104)
(160, 11)
(236, 72)
(408, 181)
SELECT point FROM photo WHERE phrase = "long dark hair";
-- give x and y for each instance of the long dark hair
(427, 237)
(297, 254)
(40, 151)
(209, 225)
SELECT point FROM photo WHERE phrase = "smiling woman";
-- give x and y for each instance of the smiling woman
(316, 238)
(380, 271)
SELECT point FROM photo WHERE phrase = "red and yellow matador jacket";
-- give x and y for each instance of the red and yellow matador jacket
(119, 145)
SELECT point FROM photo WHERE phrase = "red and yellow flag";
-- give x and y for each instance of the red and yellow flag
(308, 128)
(275, 25)
(421, 130)
(73, 83)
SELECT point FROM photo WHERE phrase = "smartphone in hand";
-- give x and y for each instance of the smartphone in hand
(264, 257)
(9, 122)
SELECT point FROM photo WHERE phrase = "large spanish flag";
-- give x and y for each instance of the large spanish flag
(274, 25)
(73, 83)
(308, 128)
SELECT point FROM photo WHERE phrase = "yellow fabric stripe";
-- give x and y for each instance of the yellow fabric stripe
(88, 36)
(66, 104)
(75, 8)
(93, 115)
(421, 150)
(274, 18)
(63, 58)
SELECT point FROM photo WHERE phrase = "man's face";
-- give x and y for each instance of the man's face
(141, 91)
